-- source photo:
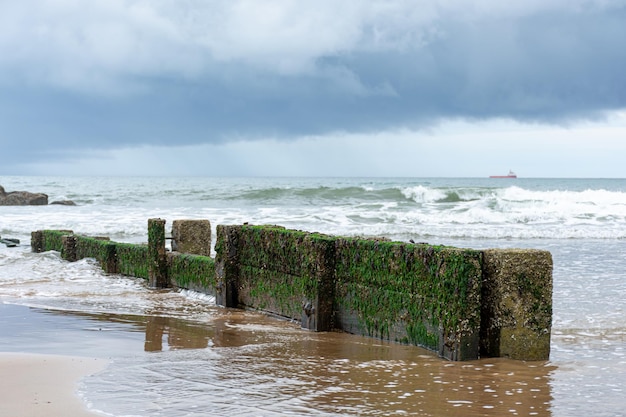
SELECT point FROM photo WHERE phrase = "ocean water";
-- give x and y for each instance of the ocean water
(177, 354)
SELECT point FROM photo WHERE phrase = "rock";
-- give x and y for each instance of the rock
(22, 198)
(64, 203)
(11, 243)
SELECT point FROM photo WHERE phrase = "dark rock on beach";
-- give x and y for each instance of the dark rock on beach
(25, 198)
(22, 198)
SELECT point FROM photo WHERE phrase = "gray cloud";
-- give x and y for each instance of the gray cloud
(125, 73)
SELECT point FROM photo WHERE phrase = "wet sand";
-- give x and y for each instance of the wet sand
(44, 385)
(250, 363)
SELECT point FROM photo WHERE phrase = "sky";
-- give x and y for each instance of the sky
(418, 88)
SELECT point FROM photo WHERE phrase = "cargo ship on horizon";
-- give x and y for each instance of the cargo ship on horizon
(511, 174)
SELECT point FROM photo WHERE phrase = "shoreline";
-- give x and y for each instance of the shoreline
(43, 385)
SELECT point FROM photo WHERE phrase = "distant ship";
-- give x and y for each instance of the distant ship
(511, 174)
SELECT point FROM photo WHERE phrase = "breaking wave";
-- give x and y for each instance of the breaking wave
(401, 209)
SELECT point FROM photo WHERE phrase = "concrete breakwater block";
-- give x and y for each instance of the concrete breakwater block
(516, 304)
(192, 236)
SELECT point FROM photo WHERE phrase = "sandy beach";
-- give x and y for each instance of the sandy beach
(44, 385)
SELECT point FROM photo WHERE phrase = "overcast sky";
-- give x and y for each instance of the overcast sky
(316, 88)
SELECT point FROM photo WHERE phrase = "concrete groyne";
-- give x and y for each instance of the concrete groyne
(461, 303)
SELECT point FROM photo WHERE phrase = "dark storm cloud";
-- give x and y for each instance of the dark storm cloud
(552, 65)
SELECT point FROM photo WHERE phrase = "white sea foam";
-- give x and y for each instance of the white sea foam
(120, 207)
(422, 194)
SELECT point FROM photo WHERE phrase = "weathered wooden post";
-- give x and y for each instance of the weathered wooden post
(36, 241)
(516, 313)
(157, 259)
(227, 266)
(68, 251)
(317, 312)
(192, 236)
(108, 255)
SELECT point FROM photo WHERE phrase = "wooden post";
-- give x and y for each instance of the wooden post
(68, 251)
(36, 241)
(109, 261)
(317, 313)
(157, 268)
(227, 266)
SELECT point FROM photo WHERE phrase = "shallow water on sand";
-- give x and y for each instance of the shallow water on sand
(243, 363)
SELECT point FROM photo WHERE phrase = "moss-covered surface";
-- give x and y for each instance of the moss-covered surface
(157, 261)
(227, 266)
(517, 304)
(46, 240)
(195, 272)
(102, 249)
(188, 271)
(417, 294)
(439, 297)
(281, 270)
(132, 260)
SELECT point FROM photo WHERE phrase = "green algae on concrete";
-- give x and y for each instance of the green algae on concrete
(132, 259)
(188, 271)
(47, 240)
(285, 272)
(460, 303)
(191, 236)
(417, 294)
(517, 304)
(157, 260)
(227, 266)
(192, 272)
(100, 248)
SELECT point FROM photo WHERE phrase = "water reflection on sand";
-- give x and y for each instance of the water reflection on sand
(243, 363)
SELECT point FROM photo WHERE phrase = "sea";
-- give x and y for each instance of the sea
(175, 353)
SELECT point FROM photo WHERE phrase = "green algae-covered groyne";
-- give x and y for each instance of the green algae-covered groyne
(461, 303)
(149, 261)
